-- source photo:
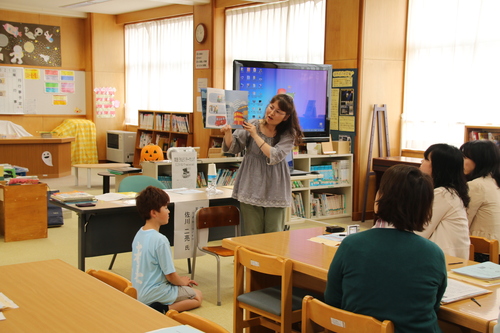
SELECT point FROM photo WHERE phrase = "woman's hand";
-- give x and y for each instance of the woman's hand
(226, 129)
(250, 128)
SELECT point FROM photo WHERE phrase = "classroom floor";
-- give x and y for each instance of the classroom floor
(62, 244)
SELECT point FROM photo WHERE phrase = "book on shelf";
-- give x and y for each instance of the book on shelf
(72, 196)
(180, 124)
(145, 139)
(220, 107)
(146, 120)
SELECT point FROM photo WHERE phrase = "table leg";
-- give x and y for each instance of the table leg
(88, 178)
(105, 184)
(76, 176)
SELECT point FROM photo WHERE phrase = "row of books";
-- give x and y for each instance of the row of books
(226, 177)
(326, 204)
(297, 184)
(334, 173)
(145, 139)
(164, 122)
(493, 136)
(297, 206)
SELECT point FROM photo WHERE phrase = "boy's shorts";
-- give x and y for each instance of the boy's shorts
(184, 293)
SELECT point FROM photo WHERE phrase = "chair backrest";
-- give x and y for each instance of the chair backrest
(198, 322)
(337, 320)
(247, 261)
(484, 245)
(217, 216)
(114, 280)
(139, 183)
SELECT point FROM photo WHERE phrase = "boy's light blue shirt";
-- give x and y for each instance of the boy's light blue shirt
(151, 261)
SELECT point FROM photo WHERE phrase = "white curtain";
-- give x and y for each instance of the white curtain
(288, 31)
(159, 66)
(452, 70)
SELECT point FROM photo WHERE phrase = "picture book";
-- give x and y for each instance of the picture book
(220, 107)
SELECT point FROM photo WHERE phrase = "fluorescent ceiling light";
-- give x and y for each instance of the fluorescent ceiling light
(84, 3)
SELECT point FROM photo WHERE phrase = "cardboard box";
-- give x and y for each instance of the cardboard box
(342, 147)
(215, 153)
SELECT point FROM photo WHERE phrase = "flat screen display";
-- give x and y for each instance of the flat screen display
(308, 84)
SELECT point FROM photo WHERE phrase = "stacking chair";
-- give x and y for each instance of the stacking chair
(114, 280)
(136, 184)
(198, 322)
(486, 246)
(214, 217)
(316, 313)
(277, 307)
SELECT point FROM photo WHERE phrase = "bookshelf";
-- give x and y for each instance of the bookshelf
(307, 191)
(481, 133)
(163, 128)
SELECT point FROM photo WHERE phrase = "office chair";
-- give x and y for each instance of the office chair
(114, 280)
(136, 184)
(315, 312)
(198, 322)
(277, 307)
(214, 217)
(483, 246)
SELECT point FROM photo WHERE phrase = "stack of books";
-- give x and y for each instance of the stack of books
(73, 197)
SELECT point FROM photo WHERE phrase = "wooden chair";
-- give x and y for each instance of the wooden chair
(214, 217)
(198, 322)
(276, 308)
(484, 245)
(114, 280)
(315, 312)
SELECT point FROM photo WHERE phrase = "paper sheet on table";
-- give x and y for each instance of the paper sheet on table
(114, 196)
(6, 302)
(457, 290)
(333, 239)
(468, 279)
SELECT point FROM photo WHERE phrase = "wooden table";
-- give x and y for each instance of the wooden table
(89, 167)
(311, 261)
(380, 164)
(54, 296)
(30, 152)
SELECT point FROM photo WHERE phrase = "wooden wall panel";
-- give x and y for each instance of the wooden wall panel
(342, 30)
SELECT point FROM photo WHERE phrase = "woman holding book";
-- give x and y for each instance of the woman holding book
(482, 170)
(388, 272)
(449, 227)
(262, 184)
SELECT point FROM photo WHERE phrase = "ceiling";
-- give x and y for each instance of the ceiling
(112, 7)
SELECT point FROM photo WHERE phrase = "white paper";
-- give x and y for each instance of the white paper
(457, 290)
(184, 227)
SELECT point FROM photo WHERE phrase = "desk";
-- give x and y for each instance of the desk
(110, 227)
(27, 152)
(380, 164)
(311, 262)
(54, 296)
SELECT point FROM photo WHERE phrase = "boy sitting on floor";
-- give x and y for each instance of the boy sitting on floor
(153, 271)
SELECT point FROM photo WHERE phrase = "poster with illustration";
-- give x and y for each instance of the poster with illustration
(30, 44)
(221, 107)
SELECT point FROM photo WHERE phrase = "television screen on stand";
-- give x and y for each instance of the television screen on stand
(308, 84)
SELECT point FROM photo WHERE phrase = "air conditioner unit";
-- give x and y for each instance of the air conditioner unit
(120, 146)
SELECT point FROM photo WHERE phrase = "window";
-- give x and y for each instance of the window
(159, 66)
(288, 31)
(452, 70)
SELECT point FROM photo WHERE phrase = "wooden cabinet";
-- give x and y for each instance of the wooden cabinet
(333, 188)
(481, 133)
(163, 128)
(23, 212)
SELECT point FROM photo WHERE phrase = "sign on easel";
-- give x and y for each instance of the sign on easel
(184, 167)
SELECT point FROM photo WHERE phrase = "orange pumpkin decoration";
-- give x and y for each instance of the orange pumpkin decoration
(151, 153)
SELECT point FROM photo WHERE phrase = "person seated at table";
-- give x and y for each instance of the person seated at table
(482, 170)
(153, 271)
(449, 227)
(388, 272)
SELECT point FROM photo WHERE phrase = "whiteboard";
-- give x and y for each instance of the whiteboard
(45, 91)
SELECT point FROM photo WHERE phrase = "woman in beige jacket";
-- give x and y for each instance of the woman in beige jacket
(482, 169)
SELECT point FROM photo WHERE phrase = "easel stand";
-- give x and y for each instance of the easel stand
(379, 119)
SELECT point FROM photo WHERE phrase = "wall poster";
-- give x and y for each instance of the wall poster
(30, 44)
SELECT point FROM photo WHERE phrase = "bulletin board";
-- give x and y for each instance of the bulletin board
(42, 91)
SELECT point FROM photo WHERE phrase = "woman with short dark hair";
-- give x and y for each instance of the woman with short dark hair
(389, 272)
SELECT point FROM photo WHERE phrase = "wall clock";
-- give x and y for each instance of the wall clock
(200, 33)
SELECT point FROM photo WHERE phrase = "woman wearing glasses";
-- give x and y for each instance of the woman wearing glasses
(262, 185)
